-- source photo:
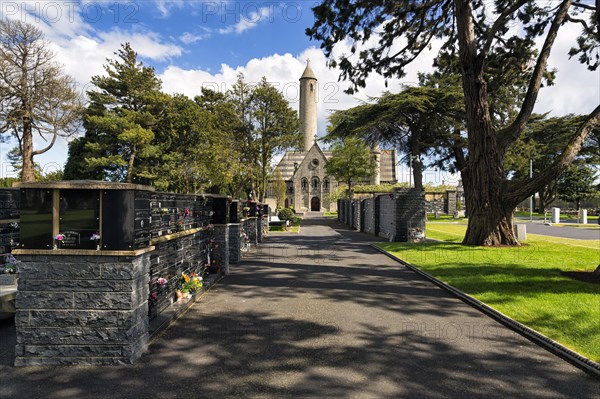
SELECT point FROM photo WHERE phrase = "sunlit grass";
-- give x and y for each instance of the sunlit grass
(524, 282)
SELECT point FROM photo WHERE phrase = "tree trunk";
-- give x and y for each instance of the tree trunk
(28, 172)
(490, 219)
(417, 164)
(130, 165)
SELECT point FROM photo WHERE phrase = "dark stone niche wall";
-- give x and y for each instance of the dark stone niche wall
(397, 216)
(90, 296)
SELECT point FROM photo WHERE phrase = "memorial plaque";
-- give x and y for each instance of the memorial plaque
(235, 212)
(118, 214)
(79, 218)
(36, 219)
(221, 210)
(252, 206)
(450, 202)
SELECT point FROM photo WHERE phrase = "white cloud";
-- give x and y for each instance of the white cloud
(249, 20)
(191, 38)
(284, 71)
(165, 6)
(576, 90)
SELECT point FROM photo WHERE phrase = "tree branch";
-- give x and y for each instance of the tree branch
(38, 152)
(517, 190)
(512, 132)
(498, 24)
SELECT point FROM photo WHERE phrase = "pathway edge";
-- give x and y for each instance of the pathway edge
(576, 359)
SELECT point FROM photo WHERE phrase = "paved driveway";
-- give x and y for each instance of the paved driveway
(578, 233)
(322, 315)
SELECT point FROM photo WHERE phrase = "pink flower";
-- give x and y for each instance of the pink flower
(162, 281)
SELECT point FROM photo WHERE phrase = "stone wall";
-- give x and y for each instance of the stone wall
(172, 257)
(234, 243)
(220, 251)
(397, 216)
(387, 216)
(369, 215)
(410, 215)
(97, 306)
(81, 309)
(251, 230)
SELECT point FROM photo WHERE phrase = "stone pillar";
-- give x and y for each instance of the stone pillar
(235, 243)
(377, 176)
(410, 214)
(555, 215)
(221, 251)
(252, 230)
(259, 232)
(583, 218)
(82, 309)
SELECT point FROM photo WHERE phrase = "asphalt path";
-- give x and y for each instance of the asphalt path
(320, 314)
(578, 233)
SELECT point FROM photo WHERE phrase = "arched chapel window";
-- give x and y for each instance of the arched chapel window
(304, 184)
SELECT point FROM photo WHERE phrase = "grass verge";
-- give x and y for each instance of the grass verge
(525, 283)
(330, 214)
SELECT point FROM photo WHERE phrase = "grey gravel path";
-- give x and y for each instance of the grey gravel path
(322, 315)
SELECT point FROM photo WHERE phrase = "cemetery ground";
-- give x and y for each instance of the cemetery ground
(320, 314)
(538, 284)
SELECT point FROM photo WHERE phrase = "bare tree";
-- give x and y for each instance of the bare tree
(36, 97)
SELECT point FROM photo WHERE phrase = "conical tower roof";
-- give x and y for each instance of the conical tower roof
(308, 72)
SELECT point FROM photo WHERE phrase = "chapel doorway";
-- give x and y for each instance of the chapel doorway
(315, 204)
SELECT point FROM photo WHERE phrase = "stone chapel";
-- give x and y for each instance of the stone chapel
(308, 185)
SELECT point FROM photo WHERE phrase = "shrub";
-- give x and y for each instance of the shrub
(286, 214)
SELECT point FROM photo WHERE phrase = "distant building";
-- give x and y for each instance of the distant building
(308, 185)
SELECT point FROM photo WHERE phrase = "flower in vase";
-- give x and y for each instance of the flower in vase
(59, 237)
(95, 237)
(162, 281)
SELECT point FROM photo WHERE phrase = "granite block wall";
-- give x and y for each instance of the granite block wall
(81, 309)
(221, 247)
(369, 215)
(169, 260)
(234, 243)
(410, 214)
(387, 216)
(252, 230)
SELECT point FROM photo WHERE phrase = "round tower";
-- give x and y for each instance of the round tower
(376, 151)
(308, 107)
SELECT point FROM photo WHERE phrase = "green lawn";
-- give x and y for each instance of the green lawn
(330, 214)
(443, 218)
(524, 283)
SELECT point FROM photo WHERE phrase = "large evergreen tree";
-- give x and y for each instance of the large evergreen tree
(489, 52)
(120, 120)
(417, 121)
(577, 184)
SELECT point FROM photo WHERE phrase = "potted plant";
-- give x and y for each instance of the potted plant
(188, 285)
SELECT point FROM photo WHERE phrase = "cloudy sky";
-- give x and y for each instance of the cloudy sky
(194, 44)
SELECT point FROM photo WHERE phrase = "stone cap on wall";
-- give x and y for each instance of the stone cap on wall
(84, 184)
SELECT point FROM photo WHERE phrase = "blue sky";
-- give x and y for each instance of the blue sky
(195, 44)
